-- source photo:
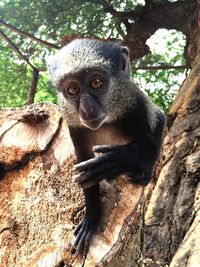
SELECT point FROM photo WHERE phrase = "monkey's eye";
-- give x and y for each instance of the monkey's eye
(96, 83)
(72, 90)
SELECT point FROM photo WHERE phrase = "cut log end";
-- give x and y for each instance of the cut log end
(40, 205)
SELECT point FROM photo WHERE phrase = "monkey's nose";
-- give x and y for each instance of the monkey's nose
(87, 104)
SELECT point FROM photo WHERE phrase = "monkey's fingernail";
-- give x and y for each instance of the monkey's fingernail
(74, 168)
(78, 178)
(75, 177)
(95, 148)
(88, 184)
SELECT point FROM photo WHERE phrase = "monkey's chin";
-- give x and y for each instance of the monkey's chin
(93, 124)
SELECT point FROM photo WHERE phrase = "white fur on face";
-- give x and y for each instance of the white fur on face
(73, 57)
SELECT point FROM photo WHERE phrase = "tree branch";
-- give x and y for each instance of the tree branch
(35, 77)
(25, 34)
(162, 67)
(153, 16)
(122, 15)
(15, 48)
(163, 15)
(33, 87)
(148, 19)
(149, 4)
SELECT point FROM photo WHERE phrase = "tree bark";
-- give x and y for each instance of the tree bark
(39, 203)
(172, 227)
(33, 87)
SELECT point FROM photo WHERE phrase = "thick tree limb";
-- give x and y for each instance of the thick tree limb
(165, 15)
(143, 22)
(33, 86)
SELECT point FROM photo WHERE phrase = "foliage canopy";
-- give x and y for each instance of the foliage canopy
(52, 20)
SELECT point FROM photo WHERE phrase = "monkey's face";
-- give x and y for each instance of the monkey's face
(93, 80)
(85, 91)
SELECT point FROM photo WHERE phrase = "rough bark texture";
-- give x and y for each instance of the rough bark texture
(172, 219)
(33, 87)
(39, 203)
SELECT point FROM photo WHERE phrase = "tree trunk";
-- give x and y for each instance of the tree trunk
(39, 204)
(171, 232)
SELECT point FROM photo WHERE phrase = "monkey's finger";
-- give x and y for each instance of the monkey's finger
(96, 174)
(83, 259)
(91, 163)
(81, 242)
(81, 234)
(105, 148)
(75, 177)
(78, 228)
(91, 178)
(87, 242)
(111, 174)
(83, 238)
(88, 164)
(91, 183)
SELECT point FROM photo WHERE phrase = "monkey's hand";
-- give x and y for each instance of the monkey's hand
(115, 160)
(83, 235)
(91, 221)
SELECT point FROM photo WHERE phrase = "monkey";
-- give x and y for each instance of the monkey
(108, 114)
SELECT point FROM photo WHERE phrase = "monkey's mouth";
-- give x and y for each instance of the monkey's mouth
(93, 124)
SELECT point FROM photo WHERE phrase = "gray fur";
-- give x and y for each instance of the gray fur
(77, 55)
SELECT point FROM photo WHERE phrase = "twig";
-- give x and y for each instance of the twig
(14, 29)
(161, 67)
(15, 48)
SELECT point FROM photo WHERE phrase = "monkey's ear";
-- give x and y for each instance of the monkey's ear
(51, 64)
(125, 59)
